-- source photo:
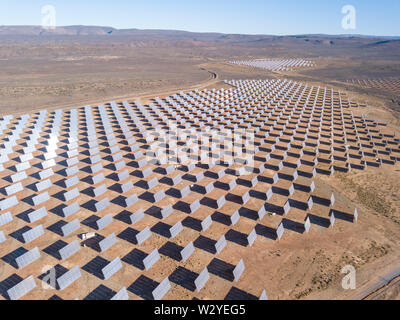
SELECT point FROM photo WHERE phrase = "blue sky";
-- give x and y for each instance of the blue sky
(227, 16)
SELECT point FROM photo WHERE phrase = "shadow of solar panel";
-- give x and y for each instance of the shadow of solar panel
(129, 235)
(55, 298)
(236, 294)
(221, 269)
(171, 250)
(143, 287)
(11, 257)
(101, 293)
(184, 278)
(192, 223)
(57, 227)
(237, 237)
(95, 267)
(135, 258)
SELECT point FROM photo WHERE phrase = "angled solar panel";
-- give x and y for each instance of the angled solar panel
(37, 215)
(101, 205)
(202, 279)
(8, 203)
(41, 198)
(13, 189)
(33, 234)
(143, 235)
(280, 231)
(151, 259)
(221, 244)
(187, 252)
(112, 268)
(27, 258)
(108, 242)
(22, 288)
(161, 290)
(176, 229)
(71, 209)
(137, 216)
(207, 222)
(104, 222)
(69, 250)
(69, 278)
(70, 227)
(2, 237)
(122, 295)
(252, 237)
(5, 218)
(237, 272)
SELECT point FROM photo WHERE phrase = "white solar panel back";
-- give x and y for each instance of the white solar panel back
(22, 288)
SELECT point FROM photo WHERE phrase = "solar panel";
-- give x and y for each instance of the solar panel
(235, 218)
(41, 198)
(108, 242)
(127, 187)
(95, 159)
(70, 227)
(120, 165)
(187, 252)
(13, 189)
(70, 195)
(307, 225)
(131, 200)
(5, 218)
(69, 278)
(264, 296)
(221, 244)
(237, 272)
(27, 258)
(71, 209)
(112, 268)
(69, 183)
(100, 190)
(176, 229)
(122, 295)
(18, 176)
(166, 212)
(96, 168)
(33, 234)
(202, 279)
(151, 259)
(280, 231)
(41, 186)
(252, 237)
(143, 235)
(101, 205)
(37, 215)
(161, 290)
(137, 216)
(69, 250)
(22, 288)
(207, 222)
(98, 178)
(123, 175)
(332, 220)
(2, 237)
(104, 222)
(220, 202)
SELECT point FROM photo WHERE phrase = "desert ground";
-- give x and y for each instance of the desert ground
(65, 71)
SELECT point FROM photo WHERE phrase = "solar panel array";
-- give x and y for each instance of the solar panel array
(277, 65)
(173, 182)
